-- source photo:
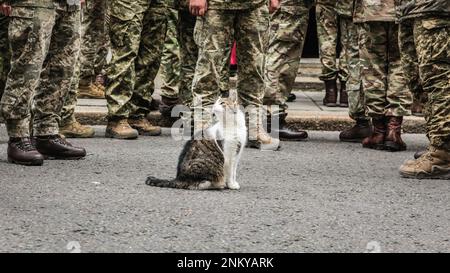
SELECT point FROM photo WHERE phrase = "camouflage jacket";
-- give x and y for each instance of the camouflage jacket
(375, 11)
(289, 3)
(421, 8)
(345, 7)
(235, 4)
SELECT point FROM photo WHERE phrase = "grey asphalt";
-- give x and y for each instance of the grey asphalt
(315, 196)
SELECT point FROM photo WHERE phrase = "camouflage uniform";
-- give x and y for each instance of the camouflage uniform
(214, 35)
(350, 53)
(137, 31)
(170, 61)
(384, 84)
(426, 26)
(41, 67)
(188, 52)
(4, 52)
(288, 26)
(327, 31)
(70, 101)
(95, 40)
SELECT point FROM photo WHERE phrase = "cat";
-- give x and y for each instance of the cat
(210, 163)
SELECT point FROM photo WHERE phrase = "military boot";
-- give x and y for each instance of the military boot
(120, 129)
(22, 151)
(284, 132)
(330, 99)
(435, 164)
(357, 133)
(258, 137)
(343, 96)
(292, 97)
(144, 127)
(56, 147)
(393, 140)
(93, 90)
(76, 130)
(166, 106)
(376, 139)
(419, 154)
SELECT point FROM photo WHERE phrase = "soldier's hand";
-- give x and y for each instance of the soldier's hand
(274, 5)
(198, 7)
(5, 9)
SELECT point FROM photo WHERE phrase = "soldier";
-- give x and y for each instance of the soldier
(137, 30)
(425, 27)
(213, 33)
(387, 96)
(42, 68)
(288, 26)
(170, 63)
(93, 50)
(350, 53)
(327, 30)
(4, 51)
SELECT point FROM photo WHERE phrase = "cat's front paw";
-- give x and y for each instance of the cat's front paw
(234, 186)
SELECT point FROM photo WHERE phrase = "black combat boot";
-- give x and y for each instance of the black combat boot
(292, 97)
(331, 92)
(343, 96)
(357, 133)
(284, 132)
(56, 147)
(23, 152)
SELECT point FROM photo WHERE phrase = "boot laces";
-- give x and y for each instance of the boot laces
(26, 145)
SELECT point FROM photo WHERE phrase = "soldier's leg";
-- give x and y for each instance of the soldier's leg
(373, 42)
(410, 66)
(125, 30)
(148, 60)
(57, 76)
(213, 35)
(362, 128)
(344, 40)
(188, 55)
(4, 52)
(170, 60)
(287, 35)
(327, 31)
(433, 50)
(398, 96)
(27, 57)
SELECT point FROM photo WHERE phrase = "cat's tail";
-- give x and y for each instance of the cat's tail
(177, 184)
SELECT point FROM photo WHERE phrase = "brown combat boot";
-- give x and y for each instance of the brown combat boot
(331, 93)
(258, 138)
(93, 90)
(22, 151)
(393, 140)
(57, 147)
(357, 133)
(76, 130)
(144, 127)
(343, 96)
(376, 140)
(435, 164)
(120, 129)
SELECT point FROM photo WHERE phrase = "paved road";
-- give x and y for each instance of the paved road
(320, 195)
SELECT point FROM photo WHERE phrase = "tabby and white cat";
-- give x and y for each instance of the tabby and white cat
(211, 162)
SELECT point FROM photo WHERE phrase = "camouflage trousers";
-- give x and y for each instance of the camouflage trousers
(214, 36)
(95, 40)
(44, 46)
(288, 26)
(410, 61)
(4, 52)
(188, 55)
(170, 61)
(350, 55)
(385, 89)
(327, 31)
(67, 115)
(137, 32)
(432, 46)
